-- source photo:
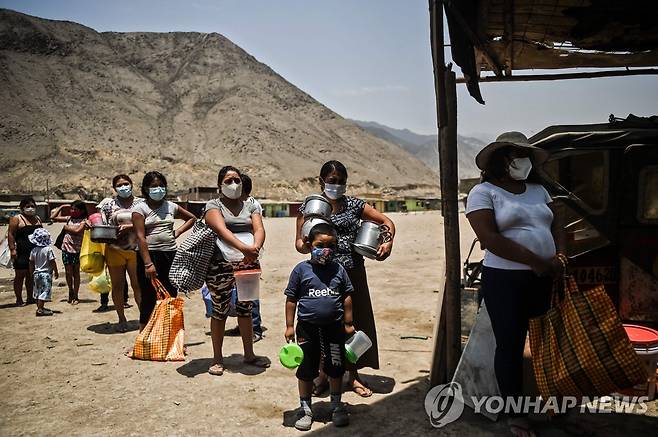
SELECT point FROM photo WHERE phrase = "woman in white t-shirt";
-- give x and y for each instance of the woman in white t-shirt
(153, 222)
(514, 219)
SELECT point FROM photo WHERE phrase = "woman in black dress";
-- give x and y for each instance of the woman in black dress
(347, 213)
(20, 227)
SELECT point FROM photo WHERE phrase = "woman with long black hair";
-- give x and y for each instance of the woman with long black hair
(347, 213)
(153, 222)
(20, 228)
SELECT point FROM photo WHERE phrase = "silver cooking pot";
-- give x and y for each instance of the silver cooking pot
(367, 239)
(317, 206)
(104, 234)
(310, 222)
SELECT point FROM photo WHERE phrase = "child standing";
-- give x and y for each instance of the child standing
(75, 225)
(319, 289)
(42, 267)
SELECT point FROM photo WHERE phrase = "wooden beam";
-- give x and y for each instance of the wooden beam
(475, 40)
(438, 366)
(563, 76)
(447, 342)
(449, 192)
(508, 36)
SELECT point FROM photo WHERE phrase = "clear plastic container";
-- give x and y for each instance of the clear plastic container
(232, 254)
(356, 346)
(248, 284)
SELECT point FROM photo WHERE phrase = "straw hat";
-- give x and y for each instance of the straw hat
(511, 139)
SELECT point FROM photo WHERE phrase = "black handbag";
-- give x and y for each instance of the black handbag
(60, 238)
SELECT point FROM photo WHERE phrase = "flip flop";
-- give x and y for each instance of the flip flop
(362, 390)
(261, 362)
(216, 369)
(319, 389)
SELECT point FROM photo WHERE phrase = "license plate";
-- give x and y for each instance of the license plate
(595, 275)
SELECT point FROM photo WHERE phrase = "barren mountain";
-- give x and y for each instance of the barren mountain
(78, 106)
(424, 147)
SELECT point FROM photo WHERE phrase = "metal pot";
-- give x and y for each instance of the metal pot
(367, 239)
(310, 222)
(317, 206)
(104, 234)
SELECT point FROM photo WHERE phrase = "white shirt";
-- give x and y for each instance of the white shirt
(523, 218)
(41, 257)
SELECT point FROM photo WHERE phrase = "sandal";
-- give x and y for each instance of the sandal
(361, 389)
(319, 389)
(262, 362)
(75, 302)
(216, 369)
(123, 327)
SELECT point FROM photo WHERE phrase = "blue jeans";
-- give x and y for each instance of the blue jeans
(255, 312)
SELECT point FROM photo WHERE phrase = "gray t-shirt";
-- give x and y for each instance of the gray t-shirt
(159, 225)
(319, 291)
(236, 223)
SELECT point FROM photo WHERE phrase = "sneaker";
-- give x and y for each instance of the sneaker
(257, 337)
(102, 309)
(339, 416)
(44, 312)
(305, 421)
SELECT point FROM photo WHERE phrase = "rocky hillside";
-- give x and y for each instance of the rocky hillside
(79, 106)
(424, 147)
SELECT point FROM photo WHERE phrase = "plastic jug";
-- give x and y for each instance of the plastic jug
(291, 355)
(248, 284)
(356, 346)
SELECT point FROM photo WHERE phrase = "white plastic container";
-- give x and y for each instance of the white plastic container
(232, 254)
(248, 284)
(356, 346)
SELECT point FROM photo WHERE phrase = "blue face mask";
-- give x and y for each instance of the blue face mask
(157, 193)
(124, 191)
(322, 255)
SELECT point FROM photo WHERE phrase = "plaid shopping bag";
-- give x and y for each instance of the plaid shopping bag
(163, 337)
(579, 347)
(190, 265)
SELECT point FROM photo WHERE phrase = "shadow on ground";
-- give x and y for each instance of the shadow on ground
(403, 413)
(112, 328)
(232, 364)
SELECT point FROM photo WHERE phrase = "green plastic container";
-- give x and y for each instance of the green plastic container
(291, 355)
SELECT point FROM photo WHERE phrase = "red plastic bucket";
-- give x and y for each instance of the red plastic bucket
(645, 343)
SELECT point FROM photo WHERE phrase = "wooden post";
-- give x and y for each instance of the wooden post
(447, 340)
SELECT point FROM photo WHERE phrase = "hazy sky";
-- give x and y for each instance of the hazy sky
(365, 59)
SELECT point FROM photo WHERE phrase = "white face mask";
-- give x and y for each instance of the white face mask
(519, 168)
(232, 191)
(334, 191)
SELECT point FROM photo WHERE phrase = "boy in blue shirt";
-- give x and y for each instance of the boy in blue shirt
(319, 290)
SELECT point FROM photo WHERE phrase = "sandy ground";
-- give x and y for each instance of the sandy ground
(66, 375)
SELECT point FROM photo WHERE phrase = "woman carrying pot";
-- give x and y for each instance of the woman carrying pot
(121, 256)
(153, 222)
(20, 228)
(514, 218)
(226, 216)
(347, 213)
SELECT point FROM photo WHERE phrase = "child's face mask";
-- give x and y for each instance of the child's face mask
(322, 255)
